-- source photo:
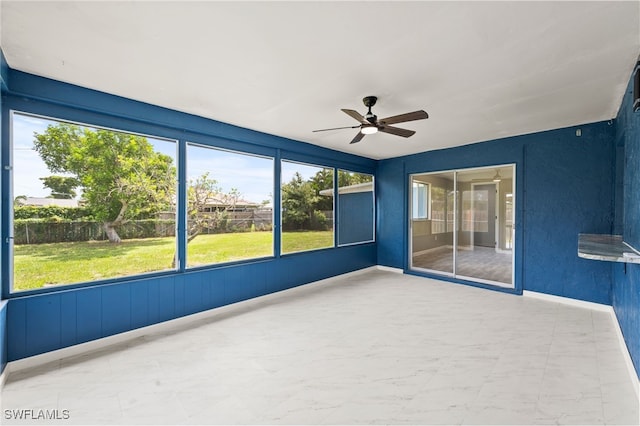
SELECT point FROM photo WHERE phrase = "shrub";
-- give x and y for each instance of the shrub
(56, 230)
(36, 212)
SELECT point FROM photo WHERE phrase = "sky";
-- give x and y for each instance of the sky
(251, 175)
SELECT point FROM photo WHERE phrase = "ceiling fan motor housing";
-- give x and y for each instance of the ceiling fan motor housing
(370, 101)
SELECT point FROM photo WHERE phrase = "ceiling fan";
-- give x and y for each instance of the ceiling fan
(369, 124)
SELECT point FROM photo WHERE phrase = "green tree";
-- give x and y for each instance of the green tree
(350, 178)
(61, 186)
(299, 201)
(208, 205)
(322, 180)
(121, 176)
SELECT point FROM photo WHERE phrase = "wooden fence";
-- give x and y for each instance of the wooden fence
(39, 232)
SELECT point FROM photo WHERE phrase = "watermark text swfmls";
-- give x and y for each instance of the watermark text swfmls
(39, 414)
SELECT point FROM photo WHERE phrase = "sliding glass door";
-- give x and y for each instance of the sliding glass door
(461, 223)
(432, 232)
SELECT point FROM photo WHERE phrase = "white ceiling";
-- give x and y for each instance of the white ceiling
(482, 70)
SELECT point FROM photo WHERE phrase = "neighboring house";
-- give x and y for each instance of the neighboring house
(218, 203)
(355, 212)
(351, 189)
(221, 202)
(45, 202)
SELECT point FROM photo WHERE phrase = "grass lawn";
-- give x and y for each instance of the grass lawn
(37, 265)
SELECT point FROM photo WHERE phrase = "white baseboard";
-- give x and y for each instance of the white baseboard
(82, 348)
(389, 269)
(602, 308)
(3, 376)
(627, 356)
(567, 301)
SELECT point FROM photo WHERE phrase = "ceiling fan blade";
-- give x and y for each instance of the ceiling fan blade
(336, 128)
(358, 138)
(397, 131)
(356, 115)
(410, 116)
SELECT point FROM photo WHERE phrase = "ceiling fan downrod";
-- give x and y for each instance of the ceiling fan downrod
(370, 101)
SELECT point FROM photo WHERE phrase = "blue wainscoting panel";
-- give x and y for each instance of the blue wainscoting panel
(197, 288)
(43, 334)
(140, 304)
(166, 298)
(45, 322)
(68, 318)
(88, 312)
(3, 335)
(213, 289)
(178, 296)
(235, 285)
(116, 308)
(17, 329)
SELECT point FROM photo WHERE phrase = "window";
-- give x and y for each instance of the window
(420, 200)
(355, 207)
(438, 210)
(92, 204)
(229, 206)
(89, 203)
(307, 207)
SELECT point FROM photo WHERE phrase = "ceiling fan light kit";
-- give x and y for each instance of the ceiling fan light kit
(368, 130)
(369, 123)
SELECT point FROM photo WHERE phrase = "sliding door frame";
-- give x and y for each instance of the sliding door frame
(457, 225)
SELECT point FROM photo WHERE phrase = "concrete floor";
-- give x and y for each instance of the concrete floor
(370, 348)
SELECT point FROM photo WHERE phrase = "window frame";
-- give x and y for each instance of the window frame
(9, 222)
(337, 207)
(273, 227)
(427, 202)
(280, 225)
(454, 275)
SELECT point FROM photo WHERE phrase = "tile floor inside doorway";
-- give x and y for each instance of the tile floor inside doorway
(372, 348)
(480, 262)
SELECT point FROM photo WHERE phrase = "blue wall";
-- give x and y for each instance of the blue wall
(4, 70)
(626, 277)
(50, 319)
(561, 182)
(3, 335)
